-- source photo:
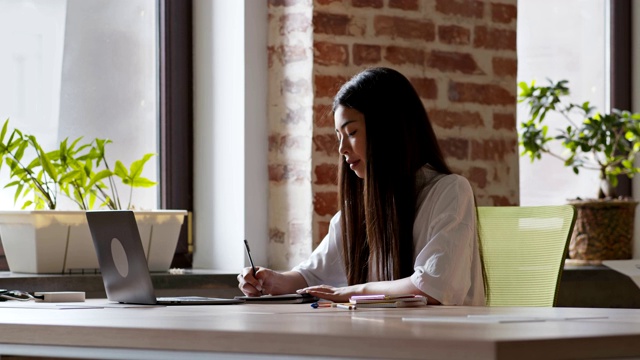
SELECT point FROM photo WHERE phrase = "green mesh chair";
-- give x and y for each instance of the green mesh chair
(523, 252)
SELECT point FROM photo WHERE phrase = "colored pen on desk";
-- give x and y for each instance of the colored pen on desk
(344, 306)
(246, 247)
(322, 304)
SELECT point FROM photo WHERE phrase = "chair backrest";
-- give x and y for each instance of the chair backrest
(523, 251)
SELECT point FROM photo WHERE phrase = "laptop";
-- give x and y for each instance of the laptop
(123, 265)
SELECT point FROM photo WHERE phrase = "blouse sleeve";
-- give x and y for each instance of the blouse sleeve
(444, 236)
(325, 266)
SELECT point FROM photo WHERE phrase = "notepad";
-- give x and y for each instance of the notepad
(388, 301)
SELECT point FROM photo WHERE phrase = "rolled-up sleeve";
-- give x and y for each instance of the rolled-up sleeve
(444, 236)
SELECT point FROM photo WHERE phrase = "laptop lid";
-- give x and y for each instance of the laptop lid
(123, 265)
(121, 257)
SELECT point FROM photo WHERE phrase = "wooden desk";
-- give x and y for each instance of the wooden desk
(241, 331)
(581, 286)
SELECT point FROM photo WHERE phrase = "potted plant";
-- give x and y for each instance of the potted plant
(45, 241)
(604, 142)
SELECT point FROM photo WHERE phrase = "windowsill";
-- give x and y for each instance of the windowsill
(581, 286)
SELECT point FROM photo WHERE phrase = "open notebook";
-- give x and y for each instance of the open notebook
(123, 264)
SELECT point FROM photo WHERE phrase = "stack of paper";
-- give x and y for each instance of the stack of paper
(408, 300)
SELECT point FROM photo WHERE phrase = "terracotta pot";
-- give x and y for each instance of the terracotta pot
(603, 230)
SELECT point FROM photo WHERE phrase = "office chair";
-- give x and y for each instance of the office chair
(523, 251)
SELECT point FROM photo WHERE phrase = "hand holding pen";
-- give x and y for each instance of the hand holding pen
(248, 281)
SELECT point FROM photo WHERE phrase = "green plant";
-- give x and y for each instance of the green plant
(607, 143)
(76, 170)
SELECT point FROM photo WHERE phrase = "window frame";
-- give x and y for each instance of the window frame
(620, 68)
(175, 116)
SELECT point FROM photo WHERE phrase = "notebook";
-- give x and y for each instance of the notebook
(407, 300)
(279, 299)
(123, 264)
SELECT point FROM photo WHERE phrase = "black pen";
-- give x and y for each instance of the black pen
(246, 246)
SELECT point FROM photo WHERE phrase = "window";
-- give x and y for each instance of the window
(72, 68)
(105, 68)
(562, 40)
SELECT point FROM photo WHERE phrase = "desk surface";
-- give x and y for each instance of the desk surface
(298, 330)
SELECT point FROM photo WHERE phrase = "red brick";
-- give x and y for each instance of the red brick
(331, 24)
(289, 54)
(403, 55)
(504, 121)
(465, 8)
(404, 4)
(501, 201)
(326, 2)
(447, 119)
(366, 54)
(286, 54)
(455, 147)
(404, 28)
(326, 174)
(478, 176)
(327, 85)
(453, 62)
(326, 143)
(503, 13)
(276, 236)
(325, 203)
(377, 4)
(294, 23)
(327, 53)
(287, 172)
(486, 94)
(505, 66)
(323, 116)
(496, 39)
(295, 116)
(492, 149)
(454, 35)
(283, 143)
(287, 2)
(300, 86)
(425, 87)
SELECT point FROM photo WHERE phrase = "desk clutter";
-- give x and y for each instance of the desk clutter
(388, 301)
(375, 301)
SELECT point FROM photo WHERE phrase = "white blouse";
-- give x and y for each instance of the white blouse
(447, 260)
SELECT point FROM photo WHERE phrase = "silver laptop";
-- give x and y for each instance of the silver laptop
(123, 264)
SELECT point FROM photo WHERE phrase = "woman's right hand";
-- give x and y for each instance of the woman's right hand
(249, 284)
(267, 281)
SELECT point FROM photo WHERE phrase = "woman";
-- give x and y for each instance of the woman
(406, 223)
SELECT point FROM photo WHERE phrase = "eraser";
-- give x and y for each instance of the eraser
(60, 296)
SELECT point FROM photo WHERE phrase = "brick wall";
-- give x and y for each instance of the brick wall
(459, 54)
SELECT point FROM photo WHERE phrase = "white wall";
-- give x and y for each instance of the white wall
(230, 133)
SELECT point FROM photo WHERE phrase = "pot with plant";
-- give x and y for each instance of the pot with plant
(49, 240)
(604, 142)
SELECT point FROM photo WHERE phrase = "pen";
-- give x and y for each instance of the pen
(321, 304)
(246, 246)
(344, 306)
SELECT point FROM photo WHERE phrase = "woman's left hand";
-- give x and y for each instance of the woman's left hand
(335, 294)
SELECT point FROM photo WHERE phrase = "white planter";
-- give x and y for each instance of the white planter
(45, 241)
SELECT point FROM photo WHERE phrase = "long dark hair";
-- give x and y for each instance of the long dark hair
(378, 211)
